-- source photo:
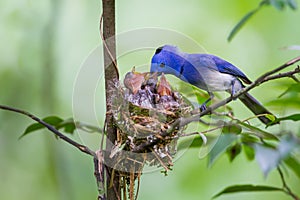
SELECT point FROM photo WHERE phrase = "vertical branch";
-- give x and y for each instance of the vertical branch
(111, 75)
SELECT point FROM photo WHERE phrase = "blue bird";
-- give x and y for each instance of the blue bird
(207, 72)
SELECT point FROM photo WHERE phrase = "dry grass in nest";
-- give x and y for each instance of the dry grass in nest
(144, 111)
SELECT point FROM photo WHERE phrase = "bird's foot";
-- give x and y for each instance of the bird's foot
(231, 95)
(203, 107)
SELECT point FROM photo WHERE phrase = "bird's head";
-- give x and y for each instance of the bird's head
(167, 59)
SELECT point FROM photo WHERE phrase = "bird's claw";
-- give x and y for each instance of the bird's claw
(203, 107)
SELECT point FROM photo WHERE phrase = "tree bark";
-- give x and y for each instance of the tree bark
(111, 75)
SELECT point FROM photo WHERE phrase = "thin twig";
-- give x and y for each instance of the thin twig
(131, 184)
(295, 78)
(203, 132)
(124, 188)
(183, 121)
(262, 79)
(103, 138)
(286, 188)
(289, 74)
(81, 147)
(99, 172)
(138, 185)
(253, 117)
(285, 65)
(159, 159)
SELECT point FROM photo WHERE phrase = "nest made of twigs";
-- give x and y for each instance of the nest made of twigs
(144, 111)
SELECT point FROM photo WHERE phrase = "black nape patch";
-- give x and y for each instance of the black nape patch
(158, 50)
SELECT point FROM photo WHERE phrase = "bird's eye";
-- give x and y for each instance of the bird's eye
(158, 50)
(162, 65)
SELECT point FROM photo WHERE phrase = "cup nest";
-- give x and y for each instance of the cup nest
(144, 112)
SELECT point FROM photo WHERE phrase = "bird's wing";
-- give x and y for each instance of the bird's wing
(218, 64)
(226, 67)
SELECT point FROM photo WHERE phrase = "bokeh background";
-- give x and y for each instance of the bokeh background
(45, 43)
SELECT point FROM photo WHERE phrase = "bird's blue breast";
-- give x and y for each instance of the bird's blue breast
(191, 74)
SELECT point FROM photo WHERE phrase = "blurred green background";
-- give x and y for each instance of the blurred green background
(43, 45)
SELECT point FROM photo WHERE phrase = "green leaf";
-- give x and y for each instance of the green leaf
(234, 151)
(243, 21)
(88, 128)
(68, 125)
(287, 144)
(278, 4)
(247, 188)
(288, 102)
(293, 4)
(232, 128)
(249, 152)
(52, 120)
(269, 158)
(281, 4)
(258, 132)
(69, 128)
(31, 128)
(292, 90)
(240, 24)
(271, 117)
(294, 117)
(248, 137)
(224, 141)
(194, 142)
(201, 96)
(293, 164)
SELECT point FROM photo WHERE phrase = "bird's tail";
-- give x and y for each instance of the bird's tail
(256, 107)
